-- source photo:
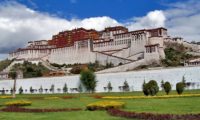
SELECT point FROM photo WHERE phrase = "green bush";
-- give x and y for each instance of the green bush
(167, 87)
(180, 87)
(150, 88)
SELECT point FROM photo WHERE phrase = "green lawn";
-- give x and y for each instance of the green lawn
(171, 105)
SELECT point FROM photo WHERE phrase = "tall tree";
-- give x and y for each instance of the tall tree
(65, 89)
(88, 79)
(109, 86)
(13, 75)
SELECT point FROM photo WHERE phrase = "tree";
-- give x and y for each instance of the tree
(65, 89)
(88, 79)
(52, 88)
(13, 75)
(184, 81)
(180, 87)
(144, 89)
(21, 90)
(150, 88)
(109, 86)
(40, 89)
(126, 86)
(162, 84)
(167, 87)
(31, 90)
(80, 88)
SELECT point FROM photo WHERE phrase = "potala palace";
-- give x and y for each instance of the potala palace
(116, 45)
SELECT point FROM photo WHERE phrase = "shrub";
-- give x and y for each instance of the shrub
(21, 90)
(40, 89)
(65, 89)
(126, 86)
(105, 105)
(180, 87)
(31, 90)
(88, 79)
(150, 88)
(52, 88)
(109, 86)
(167, 87)
(18, 103)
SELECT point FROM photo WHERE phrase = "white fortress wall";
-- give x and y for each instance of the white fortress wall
(138, 43)
(30, 54)
(108, 46)
(73, 54)
(125, 53)
(134, 79)
(152, 57)
(105, 58)
(137, 56)
(125, 67)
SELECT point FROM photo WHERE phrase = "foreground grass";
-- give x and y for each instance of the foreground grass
(172, 105)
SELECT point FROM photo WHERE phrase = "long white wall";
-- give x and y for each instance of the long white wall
(135, 79)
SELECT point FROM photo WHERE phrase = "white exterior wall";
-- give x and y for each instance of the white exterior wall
(125, 67)
(138, 43)
(104, 59)
(30, 54)
(108, 46)
(125, 53)
(152, 57)
(135, 79)
(71, 55)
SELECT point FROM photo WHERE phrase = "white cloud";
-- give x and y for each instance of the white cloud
(183, 20)
(151, 20)
(19, 24)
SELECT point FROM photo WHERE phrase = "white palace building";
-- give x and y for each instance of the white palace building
(114, 45)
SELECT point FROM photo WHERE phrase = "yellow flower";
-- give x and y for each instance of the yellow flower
(5, 97)
(101, 105)
(51, 98)
(18, 103)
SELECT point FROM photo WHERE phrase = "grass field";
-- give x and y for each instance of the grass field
(171, 105)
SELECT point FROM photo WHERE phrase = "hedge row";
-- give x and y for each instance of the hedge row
(152, 116)
(20, 109)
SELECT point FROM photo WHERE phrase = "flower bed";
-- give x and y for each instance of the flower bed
(18, 103)
(19, 109)
(152, 116)
(36, 98)
(96, 96)
(104, 105)
(5, 97)
(67, 97)
(51, 98)
(149, 97)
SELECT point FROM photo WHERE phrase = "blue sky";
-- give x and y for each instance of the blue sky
(27, 20)
(117, 9)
